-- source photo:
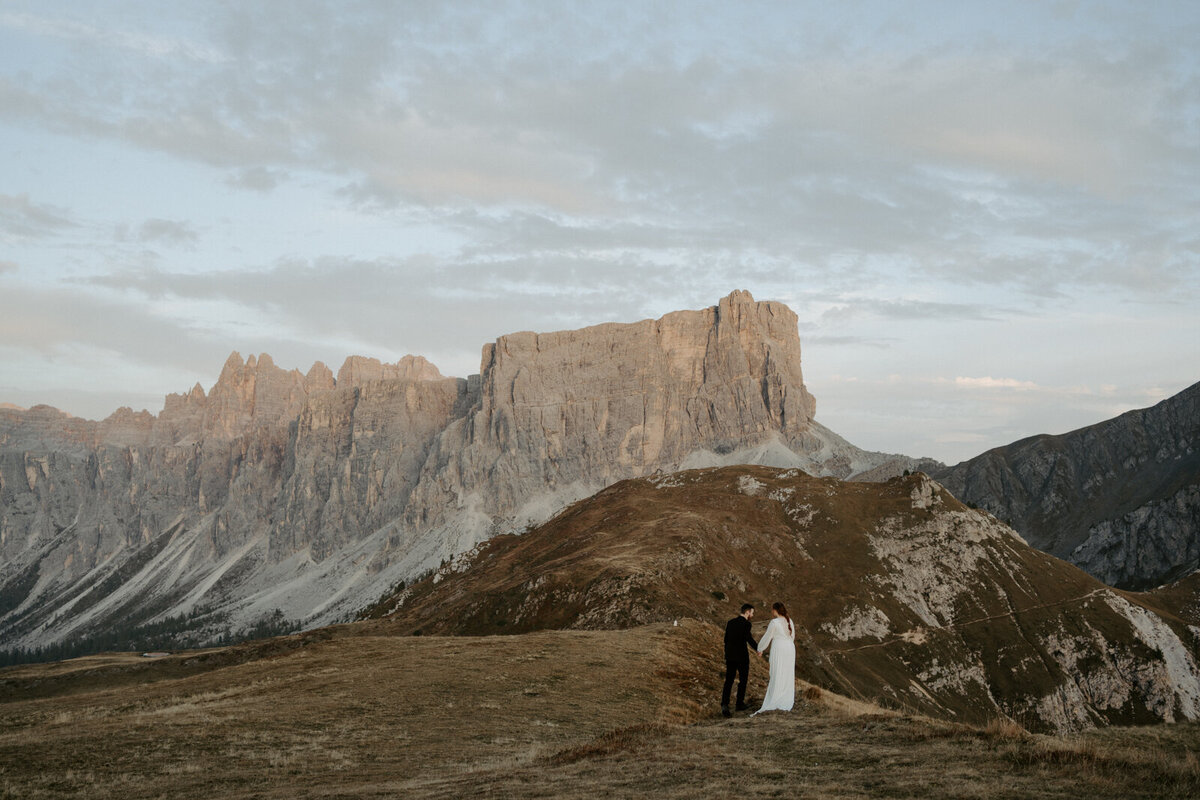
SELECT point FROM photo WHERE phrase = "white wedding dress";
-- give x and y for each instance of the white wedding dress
(781, 688)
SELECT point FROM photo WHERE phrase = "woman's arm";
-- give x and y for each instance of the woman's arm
(765, 641)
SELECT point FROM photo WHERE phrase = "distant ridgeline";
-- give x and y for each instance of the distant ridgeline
(165, 634)
(279, 495)
(1120, 499)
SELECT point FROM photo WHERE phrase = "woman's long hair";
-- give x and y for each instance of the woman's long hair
(782, 609)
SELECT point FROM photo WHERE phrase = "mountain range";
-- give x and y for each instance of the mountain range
(304, 496)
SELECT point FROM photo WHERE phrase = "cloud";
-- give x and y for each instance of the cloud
(907, 310)
(89, 350)
(7, 267)
(843, 341)
(961, 437)
(45, 320)
(994, 383)
(106, 36)
(22, 218)
(258, 179)
(161, 231)
(984, 163)
(418, 305)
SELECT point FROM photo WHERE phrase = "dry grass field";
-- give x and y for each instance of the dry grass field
(359, 712)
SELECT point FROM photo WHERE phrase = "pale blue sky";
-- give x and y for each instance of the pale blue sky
(986, 215)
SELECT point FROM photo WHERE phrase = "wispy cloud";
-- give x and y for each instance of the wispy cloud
(259, 179)
(172, 232)
(23, 218)
(864, 304)
(106, 36)
(994, 383)
(844, 341)
(950, 164)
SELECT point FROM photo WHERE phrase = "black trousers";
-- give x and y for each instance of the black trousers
(742, 670)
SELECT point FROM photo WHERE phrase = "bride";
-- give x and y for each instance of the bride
(780, 637)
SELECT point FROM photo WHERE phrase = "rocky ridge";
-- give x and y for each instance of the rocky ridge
(310, 494)
(900, 592)
(1120, 499)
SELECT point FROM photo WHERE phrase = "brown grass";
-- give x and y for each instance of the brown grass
(621, 740)
(1001, 728)
(357, 713)
(1115, 763)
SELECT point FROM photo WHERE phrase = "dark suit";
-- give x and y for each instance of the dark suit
(737, 659)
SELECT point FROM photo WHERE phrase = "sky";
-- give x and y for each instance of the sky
(986, 215)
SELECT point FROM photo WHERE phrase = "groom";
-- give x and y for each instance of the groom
(737, 660)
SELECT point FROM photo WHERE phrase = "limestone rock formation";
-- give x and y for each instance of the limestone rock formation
(574, 410)
(1120, 499)
(358, 370)
(300, 493)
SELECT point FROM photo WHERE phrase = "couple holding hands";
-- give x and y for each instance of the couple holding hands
(780, 640)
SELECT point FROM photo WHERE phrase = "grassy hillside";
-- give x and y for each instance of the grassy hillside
(359, 712)
(902, 595)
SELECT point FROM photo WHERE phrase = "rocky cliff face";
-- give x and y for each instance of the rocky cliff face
(567, 413)
(1120, 499)
(899, 592)
(312, 495)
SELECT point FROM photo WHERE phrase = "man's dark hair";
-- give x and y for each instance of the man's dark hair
(746, 607)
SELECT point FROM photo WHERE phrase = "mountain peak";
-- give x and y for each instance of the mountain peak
(357, 370)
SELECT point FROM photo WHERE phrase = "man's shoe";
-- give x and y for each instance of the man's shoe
(743, 707)
(725, 711)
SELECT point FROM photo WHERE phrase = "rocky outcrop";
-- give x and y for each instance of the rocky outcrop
(308, 494)
(899, 592)
(138, 517)
(1155, 542)
(358, 370)
(570, 412)
(1120, 499)
(355, 457)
